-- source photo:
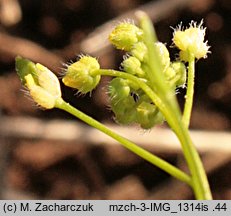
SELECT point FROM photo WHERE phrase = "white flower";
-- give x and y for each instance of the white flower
(191, 41)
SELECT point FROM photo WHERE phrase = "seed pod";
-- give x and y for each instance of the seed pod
(148, 115)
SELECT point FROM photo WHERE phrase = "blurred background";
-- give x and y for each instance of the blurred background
(50, 155)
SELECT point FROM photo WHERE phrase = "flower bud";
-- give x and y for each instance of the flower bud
(180, 71)
(133, 66)
(42, 97)
(124, 111)
(176, 74)
(42, 84)
(125, 35)
(119, 89)
(163, 55)
(122, 103)
(48, 81)
(139, 50)
(132, 106)
(24, 67)
(78, 74)
(170, 74)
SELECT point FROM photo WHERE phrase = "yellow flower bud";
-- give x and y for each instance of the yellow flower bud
(133, 66)
(42, 84)
(125, 35)
(79, 76)
(42, 97)
(48, 81)
(140, 51)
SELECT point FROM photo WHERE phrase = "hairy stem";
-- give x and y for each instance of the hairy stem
(189, 93)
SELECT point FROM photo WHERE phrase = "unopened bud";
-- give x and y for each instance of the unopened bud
(48, 81)
(78, 74)
(40, 95)
(139, 50)
(133, 66)
(125, 35)
(176, 74)
(42, 84)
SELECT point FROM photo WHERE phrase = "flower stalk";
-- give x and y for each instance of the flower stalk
(190, 92)
(199, 178)
(155, 160)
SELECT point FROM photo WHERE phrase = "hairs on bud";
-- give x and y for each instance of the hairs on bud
(79, 74)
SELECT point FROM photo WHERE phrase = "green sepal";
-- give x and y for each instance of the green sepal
(24, 67)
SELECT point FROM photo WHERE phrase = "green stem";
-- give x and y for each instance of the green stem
(167, 167)
(200, 182)
(155, 73)
(200, 179)
(190, 92)
(154, 61)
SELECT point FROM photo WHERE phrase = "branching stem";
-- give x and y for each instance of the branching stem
(162, 164)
